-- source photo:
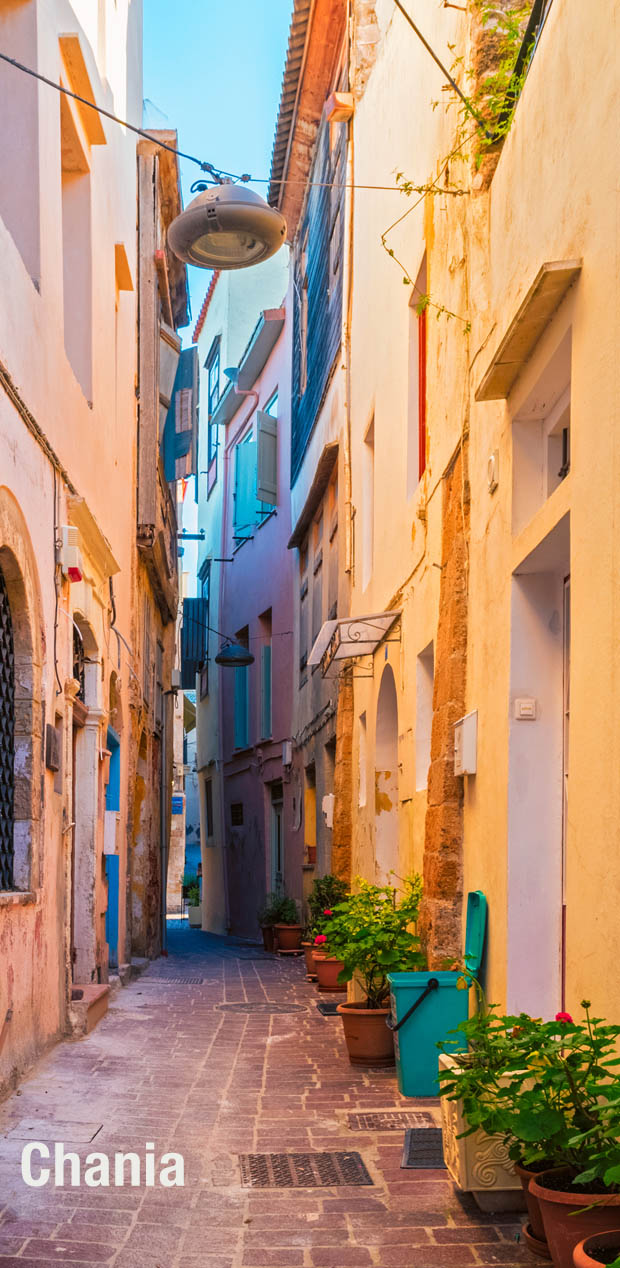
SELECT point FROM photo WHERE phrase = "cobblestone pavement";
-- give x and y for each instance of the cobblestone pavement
(167, 1065)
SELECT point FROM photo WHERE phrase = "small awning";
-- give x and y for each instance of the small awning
(349, 637)
(541, 302)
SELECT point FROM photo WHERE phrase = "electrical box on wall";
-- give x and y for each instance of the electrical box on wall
(466, 744)
(287, 753)
(68, 554)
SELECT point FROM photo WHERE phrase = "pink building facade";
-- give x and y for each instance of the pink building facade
(262, 808)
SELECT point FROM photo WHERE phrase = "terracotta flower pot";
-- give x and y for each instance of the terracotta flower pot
(368, 1039)
(268, 937)
(569, 1216)
(536, 1228)
(289, 937)
(310, 969)
(607, 1243)
(327, 969)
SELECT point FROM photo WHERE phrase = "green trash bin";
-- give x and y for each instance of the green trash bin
(427, 1006)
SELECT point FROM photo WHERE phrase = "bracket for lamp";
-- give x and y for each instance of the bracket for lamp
(192, 537)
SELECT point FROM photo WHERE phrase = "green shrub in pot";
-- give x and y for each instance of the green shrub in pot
(326, 893)
(373, 933)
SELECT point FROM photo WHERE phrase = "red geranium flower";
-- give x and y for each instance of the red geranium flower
(320, 937)
(565, 1017)
(328, 912)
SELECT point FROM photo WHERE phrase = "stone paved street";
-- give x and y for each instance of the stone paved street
(167, 1065)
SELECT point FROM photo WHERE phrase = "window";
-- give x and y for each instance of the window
(368, 500)
(317, 576)
(416, 433)
(362, 762)
(159, 685)
(310, 814)
(236, 814)
(76, 250)
(303, 607)
(245, 507)
(212, 366)
(332, 549)
(541, 427)
(19, 110)
(204, 578)
(425, 676)
(242, 697)
(265, 676)
(208, 787)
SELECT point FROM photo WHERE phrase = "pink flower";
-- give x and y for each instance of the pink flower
(328, 912)
(320, 938)
(564, 1017)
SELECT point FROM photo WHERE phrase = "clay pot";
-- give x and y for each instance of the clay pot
(368, 1039)
(268, 937)
(327, 969)
(310, 969)
(568, 1216)
(600, 1241)
(289, 937)
(535, 1228)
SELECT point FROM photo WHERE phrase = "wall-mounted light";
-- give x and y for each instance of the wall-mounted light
(226, 227)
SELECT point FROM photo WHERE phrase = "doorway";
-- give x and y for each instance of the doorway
(386, 781)
(277, 838)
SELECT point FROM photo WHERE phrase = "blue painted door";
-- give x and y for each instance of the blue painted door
(113, 802)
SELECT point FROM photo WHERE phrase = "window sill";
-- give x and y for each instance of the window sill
(17, 898)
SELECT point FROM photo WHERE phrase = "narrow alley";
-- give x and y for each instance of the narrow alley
(216, 1052)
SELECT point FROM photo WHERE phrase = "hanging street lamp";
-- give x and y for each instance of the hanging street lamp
(227, 226)
(234, 656)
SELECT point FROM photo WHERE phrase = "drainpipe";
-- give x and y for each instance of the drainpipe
(220, 701)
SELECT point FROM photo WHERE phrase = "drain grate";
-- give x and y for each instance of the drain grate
(172, 981)
(302, 1171)
(328, 1007)
(389, 1121)
(264, 1007)
(422, 1149)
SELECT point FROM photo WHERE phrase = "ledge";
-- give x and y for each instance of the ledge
(17, 898)
(541, 302)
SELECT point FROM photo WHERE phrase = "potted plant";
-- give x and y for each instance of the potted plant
(549, 1092)
(275, 908)
(287, 928)
(326, 892)
(373, 933)
(601, 1248)
(194, 905)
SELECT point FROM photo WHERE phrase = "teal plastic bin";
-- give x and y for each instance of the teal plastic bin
(435, 1006)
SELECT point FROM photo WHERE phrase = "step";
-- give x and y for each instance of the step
(87, 1008)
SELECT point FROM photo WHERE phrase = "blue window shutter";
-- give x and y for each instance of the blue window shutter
(267, 459)
(245, 487)
(242, 721)
(265, 697)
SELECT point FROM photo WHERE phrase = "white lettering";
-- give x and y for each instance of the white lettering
(119, 1169)
(176, 1167)
(149, 1164)
(97, 1171)
(44, 1174)
(60, 1161)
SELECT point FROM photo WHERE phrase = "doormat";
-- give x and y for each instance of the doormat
(264, 1007)
(422, 1149)
(302, 1171)
(389, 1121)
(328, 1007)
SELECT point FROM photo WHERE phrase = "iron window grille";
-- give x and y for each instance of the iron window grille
(7, 739)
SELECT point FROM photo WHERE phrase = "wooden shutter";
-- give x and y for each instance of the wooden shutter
(245, 487)
(265, 698)
(241, 707)
(267, 459)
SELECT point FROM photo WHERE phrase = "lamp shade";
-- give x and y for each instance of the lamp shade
(234, 656)
(227, 227)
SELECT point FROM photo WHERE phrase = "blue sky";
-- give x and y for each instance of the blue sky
(213, 70)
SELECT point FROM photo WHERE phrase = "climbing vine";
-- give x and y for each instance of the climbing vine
(484, 116)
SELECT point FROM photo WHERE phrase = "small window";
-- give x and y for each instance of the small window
(242, 697)
(236, 814)
(208, 785)
(212, 366)
(159, 686)
(204, 578)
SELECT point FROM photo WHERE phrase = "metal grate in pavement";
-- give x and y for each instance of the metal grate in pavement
(172, 981)
(264, 1007)
(389, 1120)
(422, 1149)
(328, 1007)
(302, 1171)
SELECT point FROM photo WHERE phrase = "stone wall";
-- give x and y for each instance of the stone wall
(443, 844)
